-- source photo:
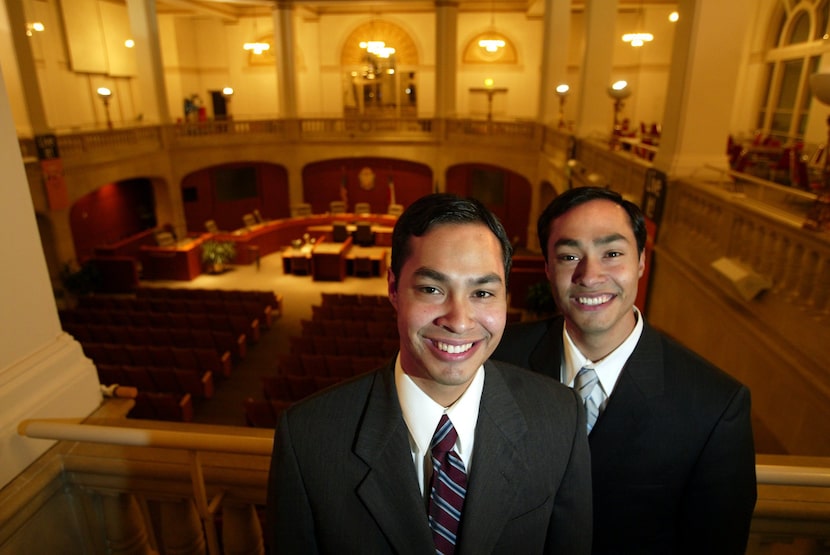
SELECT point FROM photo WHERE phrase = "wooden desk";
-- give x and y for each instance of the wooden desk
(329, 260)
(369, 262)
(273, 236)
(297, 261)
(181, 262)
(383, 233)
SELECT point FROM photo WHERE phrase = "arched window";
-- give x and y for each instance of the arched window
(795, 56)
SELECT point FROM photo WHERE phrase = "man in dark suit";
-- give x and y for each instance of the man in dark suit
(672, 453)
(353, 468)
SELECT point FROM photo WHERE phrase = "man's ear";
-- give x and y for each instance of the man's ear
(392, 288)
(642, 265)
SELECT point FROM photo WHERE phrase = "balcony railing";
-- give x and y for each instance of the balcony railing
(209, 475)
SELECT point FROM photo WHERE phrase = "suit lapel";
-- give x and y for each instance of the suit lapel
(390, 487)
(497, 464)
(632, 401)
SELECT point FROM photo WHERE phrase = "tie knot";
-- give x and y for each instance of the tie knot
(445, 436)
(585, 381)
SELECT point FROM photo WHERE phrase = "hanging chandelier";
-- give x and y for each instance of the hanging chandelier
(256, 47)
(637, 39)
(491, 45)
(378, 48)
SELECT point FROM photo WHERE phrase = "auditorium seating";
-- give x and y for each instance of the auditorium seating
(170, 344)
(347, 335)
(162, 406)
(263, 413)
(159, 379)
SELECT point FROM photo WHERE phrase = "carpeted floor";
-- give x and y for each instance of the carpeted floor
(299, 294)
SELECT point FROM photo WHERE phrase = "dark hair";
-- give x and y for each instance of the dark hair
(574, 197)
(438, 209)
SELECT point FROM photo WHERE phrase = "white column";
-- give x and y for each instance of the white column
(283, 17)
(595, 111)
(557, 28)
(27, 71)
(709, 34)
(43, 371)
(446, 56)
(150, 81)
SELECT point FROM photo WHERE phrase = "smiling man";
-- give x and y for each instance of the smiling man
(441, 450)
(672, 454)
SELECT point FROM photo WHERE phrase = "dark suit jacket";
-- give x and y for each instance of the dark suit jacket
(672, 453)
(343, 481)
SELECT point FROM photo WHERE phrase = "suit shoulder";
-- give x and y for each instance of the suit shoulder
(534, 383)
(341, 398)
(519, 339)
(693, 366)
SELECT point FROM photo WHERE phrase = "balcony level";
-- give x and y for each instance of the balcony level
(733, 275)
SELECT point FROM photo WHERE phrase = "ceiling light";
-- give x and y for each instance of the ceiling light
(257, 47)
(637, 39)
(32, 27)
(491, 45)
(129, 43)
(674, 16)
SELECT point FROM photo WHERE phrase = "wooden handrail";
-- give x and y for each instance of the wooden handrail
(144, 437)
(767, 474)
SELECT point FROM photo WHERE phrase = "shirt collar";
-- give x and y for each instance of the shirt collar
(422, 414)
(609, 368)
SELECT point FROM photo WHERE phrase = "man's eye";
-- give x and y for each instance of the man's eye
(482, 294)
(614, 254)
(428, 289)
(568, 257)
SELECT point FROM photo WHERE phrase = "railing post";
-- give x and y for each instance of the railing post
(124, 525)
(181, 531)
(204, 508)
(241, 530)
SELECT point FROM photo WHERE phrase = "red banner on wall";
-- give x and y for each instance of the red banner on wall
(56, 192)
(51, 168)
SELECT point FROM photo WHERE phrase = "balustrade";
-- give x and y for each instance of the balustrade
(152, 487)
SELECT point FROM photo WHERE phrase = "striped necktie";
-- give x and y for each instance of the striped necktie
(585, 383)
(447, 489)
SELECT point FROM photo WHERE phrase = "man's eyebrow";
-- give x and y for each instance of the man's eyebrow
(604, 240)
(440, 277)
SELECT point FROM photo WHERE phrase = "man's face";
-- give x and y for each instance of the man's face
(593, 267)
(451, 301)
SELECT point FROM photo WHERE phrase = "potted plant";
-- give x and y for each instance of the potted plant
(216, 254)
(539, 300)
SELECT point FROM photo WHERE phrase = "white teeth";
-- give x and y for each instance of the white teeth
(454, 349)
(593, 301)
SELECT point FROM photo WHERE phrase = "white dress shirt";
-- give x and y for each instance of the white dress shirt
(608, 369)
(422, 414)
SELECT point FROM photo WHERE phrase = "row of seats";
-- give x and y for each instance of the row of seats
(89, 308)
(343, 345)
(377, 329)
(159, 379)
(354, 312)
(162, 406)
(353, 299)
(268, 299)
(264, 413)
(203, 359)
(295, 388)
(220, 340)
(330, 366)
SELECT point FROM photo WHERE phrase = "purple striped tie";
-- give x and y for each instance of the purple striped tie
(448, 488)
